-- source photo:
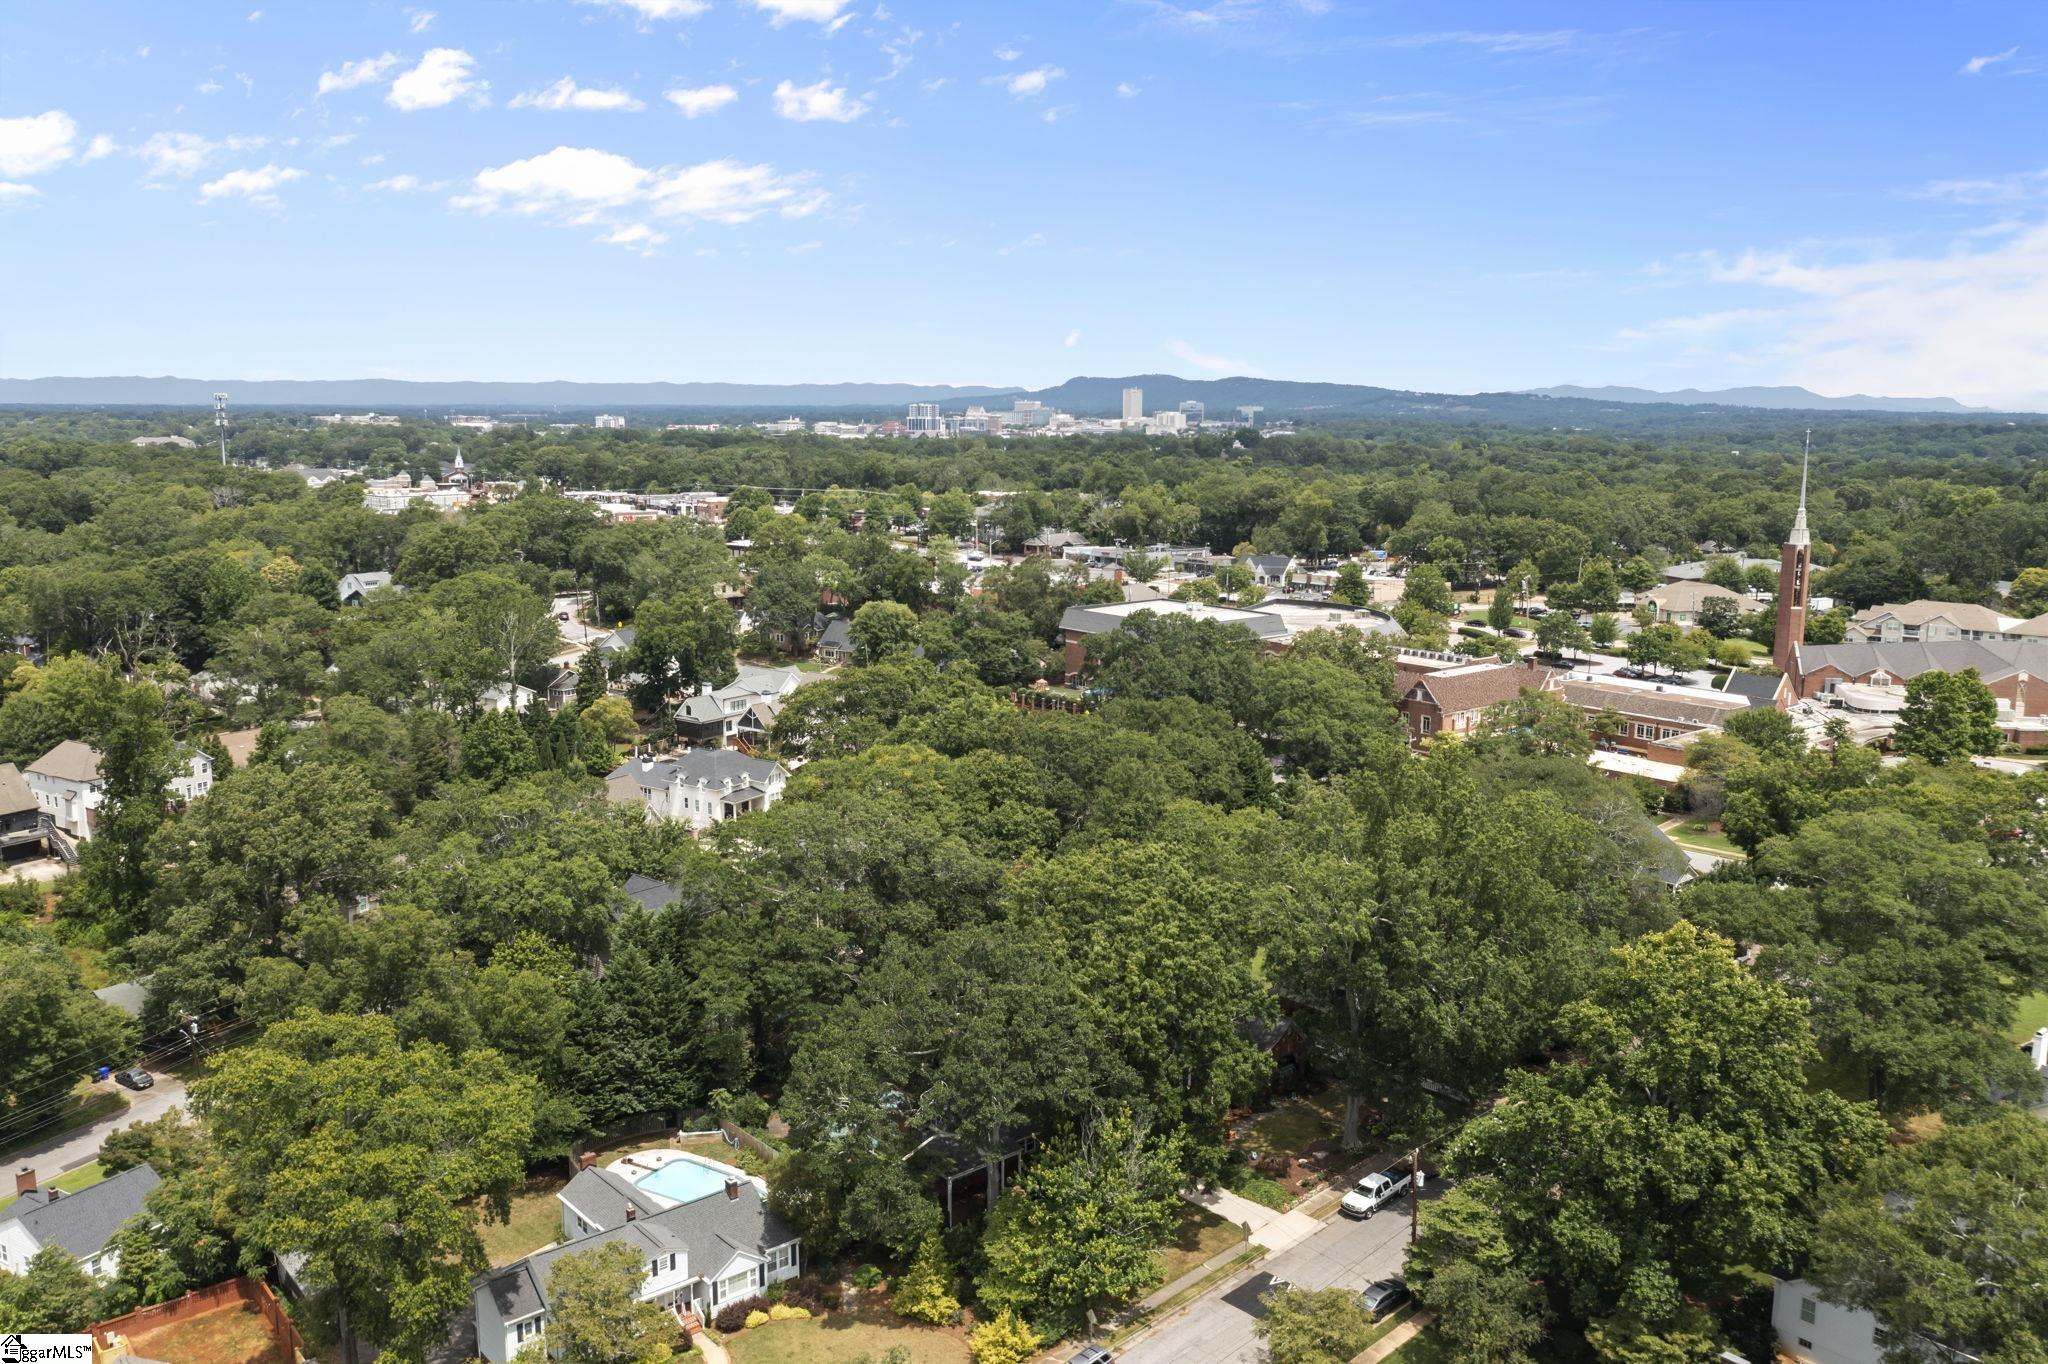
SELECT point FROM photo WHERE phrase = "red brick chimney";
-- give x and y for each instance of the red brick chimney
(25, 1180)
(588, 1160)
(732, 1188)
(632, 1210)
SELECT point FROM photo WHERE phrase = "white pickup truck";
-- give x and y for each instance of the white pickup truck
(1374, 1192)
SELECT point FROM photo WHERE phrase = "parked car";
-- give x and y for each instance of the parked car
(1375, 1191)
(135, 1077)
(1638, 674)
(1092, 1354)
(1535, 611)
(1382, 1296)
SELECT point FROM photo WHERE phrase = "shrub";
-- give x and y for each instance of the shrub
(866, 1277)
(1003, 1339)
(733, 1316)
(808, 1292)
(924, 1292)
(783, 1311)
(757, 1318)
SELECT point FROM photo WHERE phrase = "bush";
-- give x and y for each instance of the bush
(1003, 1339)
(733, 1316)
(809, 1292)
(757, 1318)
(783, 1311)
(742, 1109)
(924, 1292)
(867, 1277)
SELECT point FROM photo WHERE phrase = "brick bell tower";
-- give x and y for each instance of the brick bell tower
(1795, 569)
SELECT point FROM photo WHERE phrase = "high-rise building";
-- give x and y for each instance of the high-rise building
(1249, 415)
(605, 421)
(1134, 404)
(1795, 568)
(924, 420)
(1194, 411)
(1169, 420)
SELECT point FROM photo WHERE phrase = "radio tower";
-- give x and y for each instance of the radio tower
(220, 419)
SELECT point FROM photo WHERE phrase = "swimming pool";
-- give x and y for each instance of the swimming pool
(683, 1180)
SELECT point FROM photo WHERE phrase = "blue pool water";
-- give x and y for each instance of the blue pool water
(682, 1180)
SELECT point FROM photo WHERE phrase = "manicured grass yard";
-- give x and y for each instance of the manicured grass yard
(84, 1177)
(839, 1336)
(1694, 833)
(536, 1222)
(231, 1335)
(1199, 1235)
(2030, 1016)
(1426, 1348)
(1270, 1192)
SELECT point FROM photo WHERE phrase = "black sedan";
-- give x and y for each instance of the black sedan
(1382, 1296)
(134, 1078)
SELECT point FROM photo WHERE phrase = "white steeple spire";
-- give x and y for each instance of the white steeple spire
(1800, 535)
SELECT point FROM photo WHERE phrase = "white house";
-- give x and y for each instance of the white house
(82, 1223)
(1811, 1328)
(700, 787)
(68, 787)
(355, 588)
(744, 707)
(1680, 603)
(721, 1245)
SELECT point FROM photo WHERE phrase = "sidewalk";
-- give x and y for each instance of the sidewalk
(1394, 1339)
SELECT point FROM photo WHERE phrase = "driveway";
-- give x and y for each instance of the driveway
(1217, 1327)
(54, 1157)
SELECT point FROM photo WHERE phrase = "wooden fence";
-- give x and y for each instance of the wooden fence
(198, 1303)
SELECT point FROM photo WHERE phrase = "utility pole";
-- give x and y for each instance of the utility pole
(220, 420)
(1414, 1194)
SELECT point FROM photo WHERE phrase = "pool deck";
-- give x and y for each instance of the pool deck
(638, 1166)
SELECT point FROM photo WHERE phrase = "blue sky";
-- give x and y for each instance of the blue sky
(1433, 196)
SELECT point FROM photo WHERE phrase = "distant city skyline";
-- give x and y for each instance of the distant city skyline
(1450, 199)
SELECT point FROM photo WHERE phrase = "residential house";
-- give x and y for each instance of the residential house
(1679, 603)
(1696, 570)
(68, 787)
(651, 894)
(835, 641)
(561, 689)
(82, 1223)
(1937, 622)
(504, 696)
(1450, 699)
(1050, 544)
(717, 1247)
(1270, 570)
(21, 815)
(128, 996)
(1653, 715)
(1812, 1330)
(355, 588)
(744, 709)
(615, 644)
(700, 787)
(1275, 624)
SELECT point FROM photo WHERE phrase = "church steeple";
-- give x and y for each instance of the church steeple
(1795, 567)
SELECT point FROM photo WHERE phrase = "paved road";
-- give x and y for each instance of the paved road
(54, 1158)
(1217, 1328)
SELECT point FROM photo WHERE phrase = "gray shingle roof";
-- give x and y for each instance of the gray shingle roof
(1759, 689)
(837, 634)
(69, 761)
(650, 894)
(14, 793)
(1992, 658)
(81, 1222)
(711, 766)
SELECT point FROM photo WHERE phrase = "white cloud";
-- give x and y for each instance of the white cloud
(635, 237)
(1126, 90)
(580, 184)
(255, 15)
(1975, 66)
(567, 94)
(258, 186)
(781, 12)
(443, 76)
(935, 84)
(349, 75)
(178, 155)
(1025, 84)
(1971, 323)
(1030, 243)
(406, 184)
(1505, 42)
(1211, 364)
(14, 190)
(656, 9)
(35, 143)
(100, 146)
(419, 20)
(1006, 53)
(208, 87)
(1999, 189)
(815, 103)
(697, 101)
(805, 248)
(338, 140)
(1073, 339)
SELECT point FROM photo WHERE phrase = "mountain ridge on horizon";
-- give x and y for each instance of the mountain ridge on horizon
(1082, 394)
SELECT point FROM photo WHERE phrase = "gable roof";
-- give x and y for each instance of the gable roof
(1456, 690)
(81, 1222)
(1759, 689)
(1649, 703)
(837, 634)
(1965, 615)
(618, 641)
(69, 761)
(699, 766)
(15, 796)
(1907, 659)
(1690, 595)
(364, 583)
(651, 894)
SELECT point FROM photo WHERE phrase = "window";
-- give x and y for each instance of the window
(785, 1256)
(1805, 1344)
(1644, 731)
(525, 1331)
(1806, 1310)
(1422, 724)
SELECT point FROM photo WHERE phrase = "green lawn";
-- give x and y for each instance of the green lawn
(2031, 1015)
(1296, 1125)
(1426, 1348)
(1199, 1235)
(84, 1177)
(838, 1336)
(1695, 834)
(1270, 1192)
(536, 1222)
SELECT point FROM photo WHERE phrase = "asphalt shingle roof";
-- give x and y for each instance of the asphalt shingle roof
(69, 761)
(82, 1222)
(15, 796)
(709, 766)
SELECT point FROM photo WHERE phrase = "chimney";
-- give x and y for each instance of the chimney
(732, 1186)
(588, 1160)
(632, 1210)
(2040, 1050)
(25, 1180)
